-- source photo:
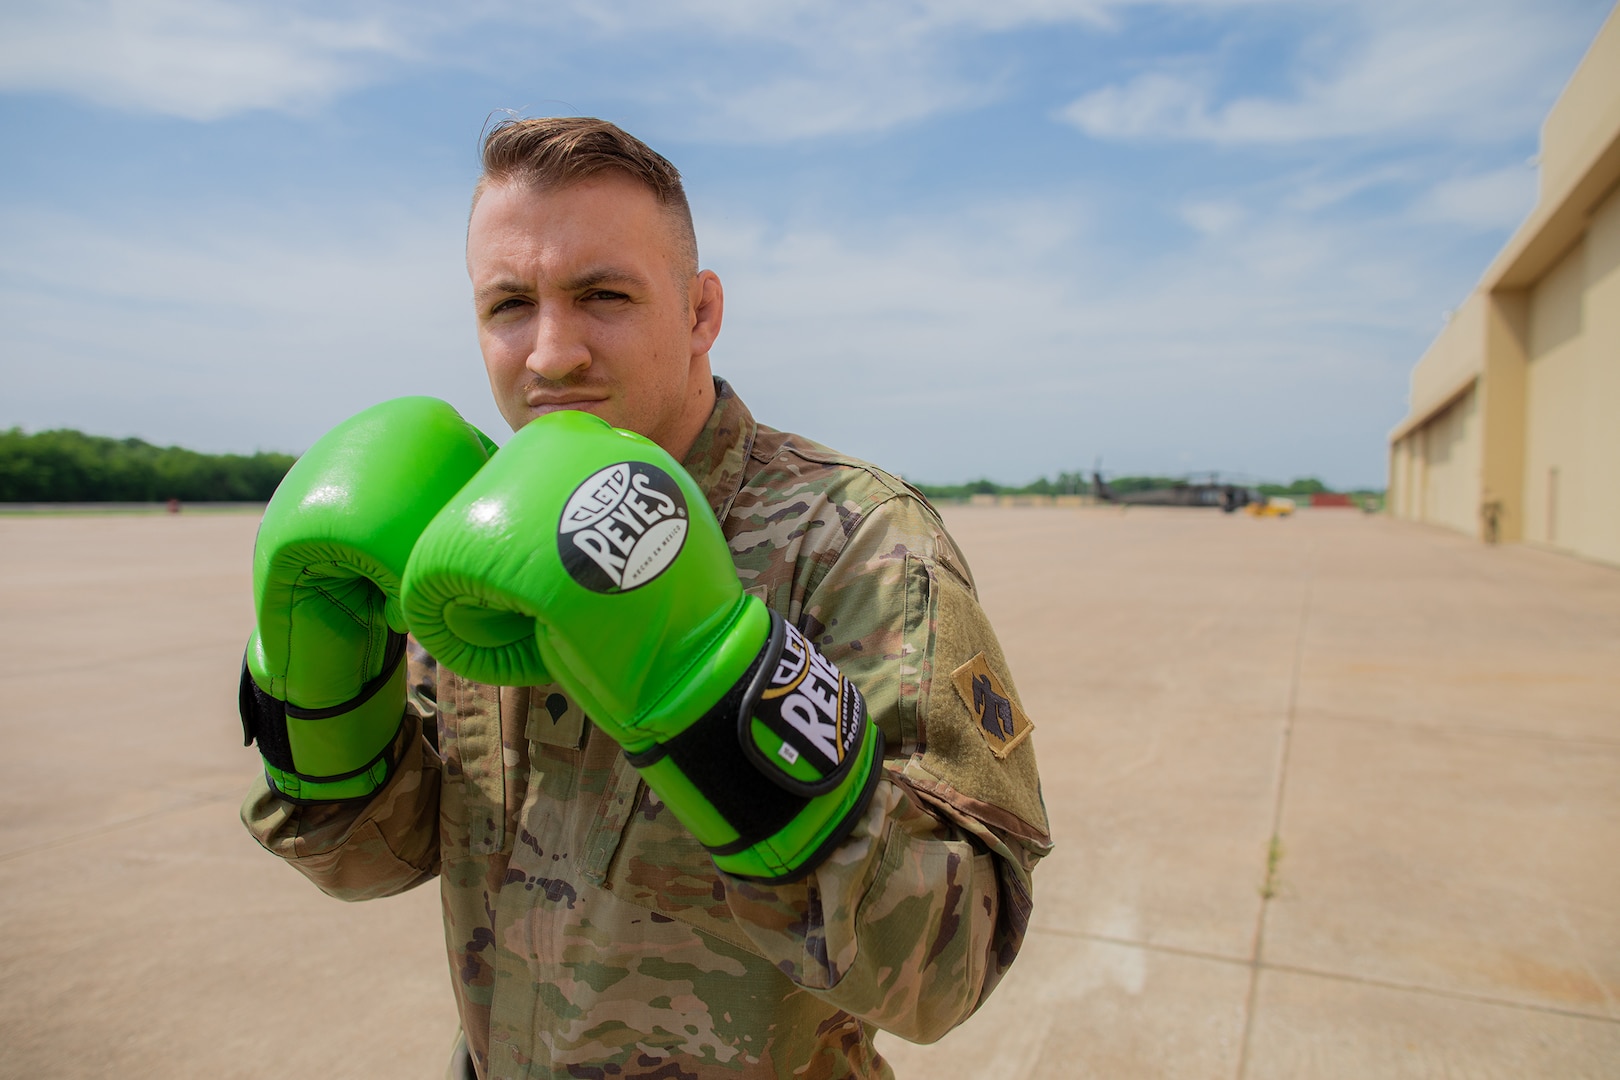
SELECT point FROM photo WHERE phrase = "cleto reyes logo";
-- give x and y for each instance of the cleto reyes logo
(821, 707)
(622, 527)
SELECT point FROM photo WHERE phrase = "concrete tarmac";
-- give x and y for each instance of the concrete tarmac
(1334, 797)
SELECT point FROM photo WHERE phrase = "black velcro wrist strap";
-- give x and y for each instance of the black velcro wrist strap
(834, 838)
(712, 760)
(815, 715)
(264, 718)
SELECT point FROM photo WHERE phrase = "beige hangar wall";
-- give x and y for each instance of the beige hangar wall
(1451, 452)
(1572, 440)
(1515, 407)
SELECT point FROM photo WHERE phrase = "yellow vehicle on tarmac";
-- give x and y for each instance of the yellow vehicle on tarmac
(1270, 506)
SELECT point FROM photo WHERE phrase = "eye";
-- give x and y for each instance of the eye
(510, 304)
(604, 294)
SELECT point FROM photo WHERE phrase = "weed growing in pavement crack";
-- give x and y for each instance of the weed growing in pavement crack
(1274, 854)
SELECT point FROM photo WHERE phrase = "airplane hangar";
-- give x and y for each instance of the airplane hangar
(1513, 433)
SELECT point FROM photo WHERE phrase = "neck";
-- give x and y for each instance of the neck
(699, 404)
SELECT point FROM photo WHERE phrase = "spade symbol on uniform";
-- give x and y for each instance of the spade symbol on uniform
(556, 705)
(995, 711)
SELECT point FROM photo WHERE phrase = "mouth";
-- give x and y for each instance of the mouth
(554, 402)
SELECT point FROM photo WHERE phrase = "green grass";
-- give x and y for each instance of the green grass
(1274, 854)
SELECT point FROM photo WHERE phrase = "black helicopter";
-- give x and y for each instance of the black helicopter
(1206, 493)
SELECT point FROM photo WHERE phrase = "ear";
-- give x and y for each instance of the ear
(708, 303)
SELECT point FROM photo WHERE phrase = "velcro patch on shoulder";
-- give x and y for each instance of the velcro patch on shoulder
(1001, 721)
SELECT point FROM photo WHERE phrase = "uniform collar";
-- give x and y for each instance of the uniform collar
(718, 459)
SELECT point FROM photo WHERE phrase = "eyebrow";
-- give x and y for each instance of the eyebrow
(500, 287)
(588, 278)
(600, 275)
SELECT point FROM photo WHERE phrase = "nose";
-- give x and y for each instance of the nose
(559, 349)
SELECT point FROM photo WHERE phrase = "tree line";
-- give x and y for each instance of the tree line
(1065, 484)
(70, 466)
(1078, 484)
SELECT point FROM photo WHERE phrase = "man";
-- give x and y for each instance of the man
(589, 933)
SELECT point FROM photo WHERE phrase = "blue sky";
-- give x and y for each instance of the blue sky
(959, 239)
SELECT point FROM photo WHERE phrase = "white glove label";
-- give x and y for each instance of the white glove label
(812, 706)
(622, 527)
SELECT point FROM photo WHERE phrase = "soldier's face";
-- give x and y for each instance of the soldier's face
(584, 301)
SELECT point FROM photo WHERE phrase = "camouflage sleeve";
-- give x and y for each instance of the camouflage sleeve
(383, 846)
(915, 918)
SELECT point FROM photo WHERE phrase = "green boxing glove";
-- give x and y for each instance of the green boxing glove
(589, 552)
(323, 680)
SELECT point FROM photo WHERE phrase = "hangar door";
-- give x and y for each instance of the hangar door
(1572, 437)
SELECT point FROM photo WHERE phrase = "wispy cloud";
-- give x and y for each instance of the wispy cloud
(240, 319)
(736, 72)
(791, 70)
(1212, 217)
(856, 90)
(1319, 188)
(811, 68)
(1475, 72)
(1488, 201)
(775, 72)
(197, 59)
(992, 336)
(1013, 327)
(949, 316)
(739, 71)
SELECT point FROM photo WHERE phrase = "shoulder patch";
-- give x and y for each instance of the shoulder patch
(1001, 722)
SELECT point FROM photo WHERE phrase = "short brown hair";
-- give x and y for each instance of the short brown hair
(560, 151)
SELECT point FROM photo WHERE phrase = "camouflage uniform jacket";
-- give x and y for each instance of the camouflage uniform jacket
(590, 936)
